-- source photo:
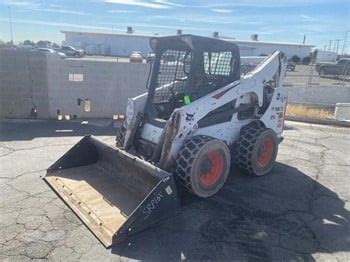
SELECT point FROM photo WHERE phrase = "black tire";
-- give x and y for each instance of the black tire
(256, 150)
(120, 137)
(203, 165)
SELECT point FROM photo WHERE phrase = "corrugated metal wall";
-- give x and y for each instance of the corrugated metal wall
(116, 45)
(124, 45)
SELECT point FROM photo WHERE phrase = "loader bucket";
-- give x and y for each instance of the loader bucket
(113, 192)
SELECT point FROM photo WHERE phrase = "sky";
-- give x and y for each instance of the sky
(272, 20)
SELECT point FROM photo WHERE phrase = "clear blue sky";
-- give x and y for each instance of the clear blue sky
(272, 20)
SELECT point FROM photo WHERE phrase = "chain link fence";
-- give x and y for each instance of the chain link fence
(309, 75)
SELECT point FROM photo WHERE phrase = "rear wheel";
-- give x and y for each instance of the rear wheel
(203, 165)
(257, 150)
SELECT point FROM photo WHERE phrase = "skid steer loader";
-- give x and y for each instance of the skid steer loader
(199, 114)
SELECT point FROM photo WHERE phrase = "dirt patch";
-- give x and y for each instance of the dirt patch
(309, 111)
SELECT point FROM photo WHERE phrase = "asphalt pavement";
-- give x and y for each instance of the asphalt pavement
(298, 212)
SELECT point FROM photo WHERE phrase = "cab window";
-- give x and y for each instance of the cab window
(218, 64)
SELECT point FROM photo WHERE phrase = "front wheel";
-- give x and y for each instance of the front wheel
(203, 165)
(257, 150)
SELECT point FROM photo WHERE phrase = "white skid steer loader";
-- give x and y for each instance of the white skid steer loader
(198, 114)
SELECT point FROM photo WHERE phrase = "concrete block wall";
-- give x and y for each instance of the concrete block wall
(107, 85)
(23, 84)
(29, 79)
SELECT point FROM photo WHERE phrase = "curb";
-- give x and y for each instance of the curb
(98, 122)
(318, 121)
(22, 120)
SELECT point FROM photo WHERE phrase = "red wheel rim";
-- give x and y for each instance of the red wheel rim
(210, 177)
(265, 151)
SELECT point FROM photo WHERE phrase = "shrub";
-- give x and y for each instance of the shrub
(306, 60)
(295, 59)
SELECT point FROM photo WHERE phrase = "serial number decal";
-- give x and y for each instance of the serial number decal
(152, 205)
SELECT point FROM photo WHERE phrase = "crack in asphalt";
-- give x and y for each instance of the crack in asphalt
(14, 150)
(39, 226)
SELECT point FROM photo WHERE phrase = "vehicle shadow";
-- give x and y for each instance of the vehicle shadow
(13, 130)
(283, 216)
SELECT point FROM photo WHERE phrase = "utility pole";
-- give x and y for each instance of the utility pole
(10, 20)
(304, 39)
(337, 45)
(344, 44)
(330, 45)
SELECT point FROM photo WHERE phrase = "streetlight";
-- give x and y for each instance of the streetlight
(345, 40)
(10, 20)
(336, 47)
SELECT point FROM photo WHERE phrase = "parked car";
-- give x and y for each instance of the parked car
(342, 67)
(49, 50)
(168, 58)
(150, 57)
(72, 51)
(291, 66)
(247, 67)
(136, 57)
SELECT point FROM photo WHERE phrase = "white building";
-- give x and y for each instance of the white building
(259, 48)
(123, 44)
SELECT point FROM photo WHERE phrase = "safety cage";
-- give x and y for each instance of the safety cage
(187, 68)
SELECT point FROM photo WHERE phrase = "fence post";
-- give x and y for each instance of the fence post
(343, 77)
(311, 72)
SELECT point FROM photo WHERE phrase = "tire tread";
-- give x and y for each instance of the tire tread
(245, 147)
(185, 159)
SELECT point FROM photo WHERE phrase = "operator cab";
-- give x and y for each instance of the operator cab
(186, 68)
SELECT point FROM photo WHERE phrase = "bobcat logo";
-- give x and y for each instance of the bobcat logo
(190, 117)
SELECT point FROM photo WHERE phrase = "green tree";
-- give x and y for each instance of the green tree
(54, 45)
(28, 42)
(43, 43)
(306, 60)
(295, 59)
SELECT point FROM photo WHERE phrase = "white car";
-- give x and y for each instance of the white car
(49, 50)
(136, 57)
(72, 51)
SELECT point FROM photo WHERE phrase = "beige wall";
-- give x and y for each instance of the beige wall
(29, 79)
(23, 83)
(106, 85)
